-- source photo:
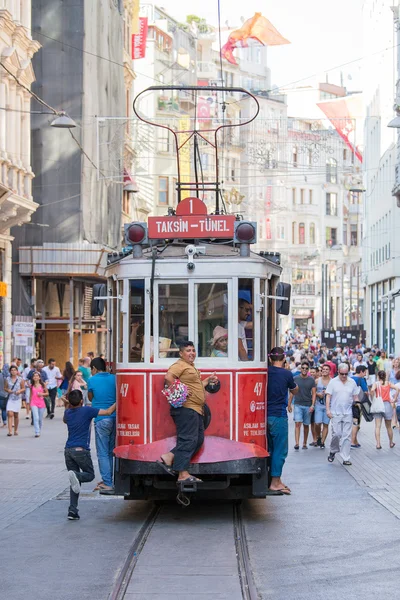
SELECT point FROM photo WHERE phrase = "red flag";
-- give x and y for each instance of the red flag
(342, 114)
(257, 28)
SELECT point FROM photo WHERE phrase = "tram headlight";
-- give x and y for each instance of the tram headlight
(135, 233)
(245, 232)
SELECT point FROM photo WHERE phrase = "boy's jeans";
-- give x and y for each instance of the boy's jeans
(37, 415)
(79, 461)
(105, 444)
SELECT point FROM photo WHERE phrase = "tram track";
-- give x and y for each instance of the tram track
(246, 579)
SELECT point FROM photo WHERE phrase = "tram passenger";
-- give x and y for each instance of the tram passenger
(188, 418)
(280, 382)
(219, 342)
(244, 313)
(136, 340)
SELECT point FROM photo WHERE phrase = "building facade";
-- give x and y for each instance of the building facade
(17, 205)
(381, 244)
(63, 254)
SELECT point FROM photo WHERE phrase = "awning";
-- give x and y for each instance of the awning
(63, 260)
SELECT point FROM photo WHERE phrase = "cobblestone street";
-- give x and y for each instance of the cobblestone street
(349, 517)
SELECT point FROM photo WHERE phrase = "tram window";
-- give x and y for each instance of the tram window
(263, 320)
(173, 301)
(212, 319)
(136, 319)
(245, 319)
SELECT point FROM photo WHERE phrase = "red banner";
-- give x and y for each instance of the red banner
(139, 39)
(342, 113)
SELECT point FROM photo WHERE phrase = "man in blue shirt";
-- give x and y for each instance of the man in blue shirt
(102, 394)
(280, 382)
(359, 378)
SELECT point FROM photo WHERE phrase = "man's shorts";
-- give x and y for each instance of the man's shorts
(320, 414)
(302, 414)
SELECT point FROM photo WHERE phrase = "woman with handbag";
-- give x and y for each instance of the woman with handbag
(14, 387)
(68, 374)
(382, 408)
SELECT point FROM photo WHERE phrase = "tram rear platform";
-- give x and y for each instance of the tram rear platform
(336, 536)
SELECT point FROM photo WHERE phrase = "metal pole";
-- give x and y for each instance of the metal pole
(71, 320)
(80, 310)
(358, 296)
(323, 296)
(326, 296)
(342, 299)
(329, 295)
(351, 293)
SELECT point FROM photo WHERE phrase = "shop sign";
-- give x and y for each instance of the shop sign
(192, 227)
(24, 328)
(3, 289)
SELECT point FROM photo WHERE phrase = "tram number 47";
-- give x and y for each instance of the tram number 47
(124, 389)
(258, 389)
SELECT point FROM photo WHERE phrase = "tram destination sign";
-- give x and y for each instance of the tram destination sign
(191, 226)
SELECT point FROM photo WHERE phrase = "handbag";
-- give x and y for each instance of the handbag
(3, 400)
(365, 405)
(377, 405)
(176, 394)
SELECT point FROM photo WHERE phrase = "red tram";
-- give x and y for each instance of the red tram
(192, 275)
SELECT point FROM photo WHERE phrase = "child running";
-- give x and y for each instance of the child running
(78, 460)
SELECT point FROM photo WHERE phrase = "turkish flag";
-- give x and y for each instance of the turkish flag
(257, 28)
(342, 113)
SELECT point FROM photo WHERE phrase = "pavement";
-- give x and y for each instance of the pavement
(336, 536)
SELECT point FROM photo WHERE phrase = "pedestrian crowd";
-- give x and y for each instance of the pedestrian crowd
(326, 389)
(87, 393)
(38, 389)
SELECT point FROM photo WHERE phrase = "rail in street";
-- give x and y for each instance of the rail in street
(318, 542)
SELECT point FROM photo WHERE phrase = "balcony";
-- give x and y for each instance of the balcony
(306, 209)
(168, 103)
(303, 289)
(355, 209)
(207, 70)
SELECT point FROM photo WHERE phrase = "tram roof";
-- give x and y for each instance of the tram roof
(176, 250)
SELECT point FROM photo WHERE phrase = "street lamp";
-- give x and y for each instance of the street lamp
(63, 121)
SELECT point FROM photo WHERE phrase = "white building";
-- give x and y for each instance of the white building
(381, 243)
(16, 204)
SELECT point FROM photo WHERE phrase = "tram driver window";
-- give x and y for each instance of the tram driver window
(136, 320)
(173, 300)
(212, 319)
(245, 320)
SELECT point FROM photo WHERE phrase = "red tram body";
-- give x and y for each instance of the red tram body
(157, 296)
(186, 276)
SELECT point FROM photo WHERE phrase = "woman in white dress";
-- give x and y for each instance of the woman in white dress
(14, 387)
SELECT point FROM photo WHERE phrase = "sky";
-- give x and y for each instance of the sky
(323, 34)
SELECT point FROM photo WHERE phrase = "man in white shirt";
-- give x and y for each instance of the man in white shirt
(54, 379)
(341, 393)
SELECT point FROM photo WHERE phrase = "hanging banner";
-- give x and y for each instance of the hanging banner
(135, 16)
(343, 114)
(139, 39)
